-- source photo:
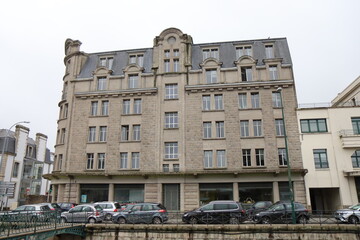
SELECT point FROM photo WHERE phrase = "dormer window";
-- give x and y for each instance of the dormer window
(106, 62)
(243, 51)
(136, 59)
(210, 52)
(269, 51)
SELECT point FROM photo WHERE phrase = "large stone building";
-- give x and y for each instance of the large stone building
(179, 123)
(23, 162)
(330, 138)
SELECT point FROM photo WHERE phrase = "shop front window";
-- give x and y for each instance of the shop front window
(129, 193)
(90, 193)
(254, 192)
(215, 191)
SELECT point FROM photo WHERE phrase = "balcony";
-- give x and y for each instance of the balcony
(350, 138)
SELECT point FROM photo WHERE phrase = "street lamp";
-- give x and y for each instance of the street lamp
(5, 141)
(293, 217)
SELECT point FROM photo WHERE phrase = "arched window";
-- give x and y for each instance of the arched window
(355, 158)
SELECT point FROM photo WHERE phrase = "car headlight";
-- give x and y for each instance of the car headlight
(185, 214)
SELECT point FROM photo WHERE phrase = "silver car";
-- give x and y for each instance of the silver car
(85, 213)
(349, 215)
(109, 208)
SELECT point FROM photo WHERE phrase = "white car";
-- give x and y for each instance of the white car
(349, 215)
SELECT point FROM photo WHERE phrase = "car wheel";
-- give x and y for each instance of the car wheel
(193, 220)
(265, 220)
(108, 217)
(234, 220)
(63, 220)
(156, 220)
(92, 220)
(121, 220)
(353, 220)
(302, 220)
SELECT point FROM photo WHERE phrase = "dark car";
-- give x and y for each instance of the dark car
(142, 213)
(216, 212)
(281, 212)
(257, 207)
(65, 206)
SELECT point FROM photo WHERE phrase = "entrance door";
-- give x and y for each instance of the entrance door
(324, 200)
(171, 196)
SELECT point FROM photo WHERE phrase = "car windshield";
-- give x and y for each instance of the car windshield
(276, 207)
(355, 207)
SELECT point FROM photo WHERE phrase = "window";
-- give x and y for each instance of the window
(260, 159)
(282, 157)
(90, 161)
(356, 125)
(126, 106)
(94, 107)
(176, 53)
(208, 160)
(273, 73)
(207, 129)
(135, 160)
(139, 59)
(59, 163)
(219, 102)
(101, 160)
(132, 59)
(269, 51)
(246, 155)
(167, 53)
(62, 138)
(211, 76)
(133, 81)
(15, 171)
(105, 108)
(320, 158)
(244, 128)
(123, 160)
(255, 100)
(276, 99)
(220, 133)
(137, 106)
(221, 158)
(246, 74)
(102, 135)
(171, 150)
(313, 125)
(171, 91)
(257, 128)
(92, 134)
(125, 133)
(241, 51)
(207, 53)
(101, 83)
(106, 62)
(355, 159)
(171, 120)
(65, 113)
(166, 168)
(206, 102)
(242, 101)
(136, 132)
(167, 66)
(279, 126)
(176, 167)
(176, 65)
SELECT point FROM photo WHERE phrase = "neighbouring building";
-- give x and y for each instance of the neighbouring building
(179, 123)
(330, 139)
(23, 162)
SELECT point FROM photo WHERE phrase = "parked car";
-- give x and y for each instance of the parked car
(27, 213)
(217, 212)
(257, 207)
(65, 206)
(109, 208)
(349, 215)
(85, 213)
(281, 212)
(142, 213)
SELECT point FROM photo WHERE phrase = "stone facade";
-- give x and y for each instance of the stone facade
(181, 87)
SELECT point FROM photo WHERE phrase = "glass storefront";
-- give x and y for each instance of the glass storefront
(254, 192)
(129, 193)
(90, 193)
(284, 191)
(215, 191)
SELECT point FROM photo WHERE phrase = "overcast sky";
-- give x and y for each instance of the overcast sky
(323, 36)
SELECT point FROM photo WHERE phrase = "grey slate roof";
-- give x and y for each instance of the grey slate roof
(227, 55)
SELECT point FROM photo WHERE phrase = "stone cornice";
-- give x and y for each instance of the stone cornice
(117, 93)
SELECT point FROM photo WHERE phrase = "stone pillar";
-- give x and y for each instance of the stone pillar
(276, 193)
(236, 191)
(111, 192)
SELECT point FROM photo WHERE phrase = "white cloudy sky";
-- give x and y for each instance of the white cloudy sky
(323, 36)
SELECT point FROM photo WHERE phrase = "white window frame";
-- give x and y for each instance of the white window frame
(221, 158)
(133, 81)
(207, 129)
(101, 161)
(125, 132)
(92, 134)
(105, 108)
(102, 133)
(94, 108)
(171, 150)
(171, 120)
(123, 160)
(136, 132)
(126, 106)
(171, 91)
(220, 129)
(219, 102)
(244, 128)
(135, 160)
(101, 83)
(273, 71)
(255, 100)
(279, 126)
(260, 157)
(282, 156)
(246, 156)
(211, 76)
(90, 161)
(242, 101)
(206, 100)
(257, 126)
(208, 158)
